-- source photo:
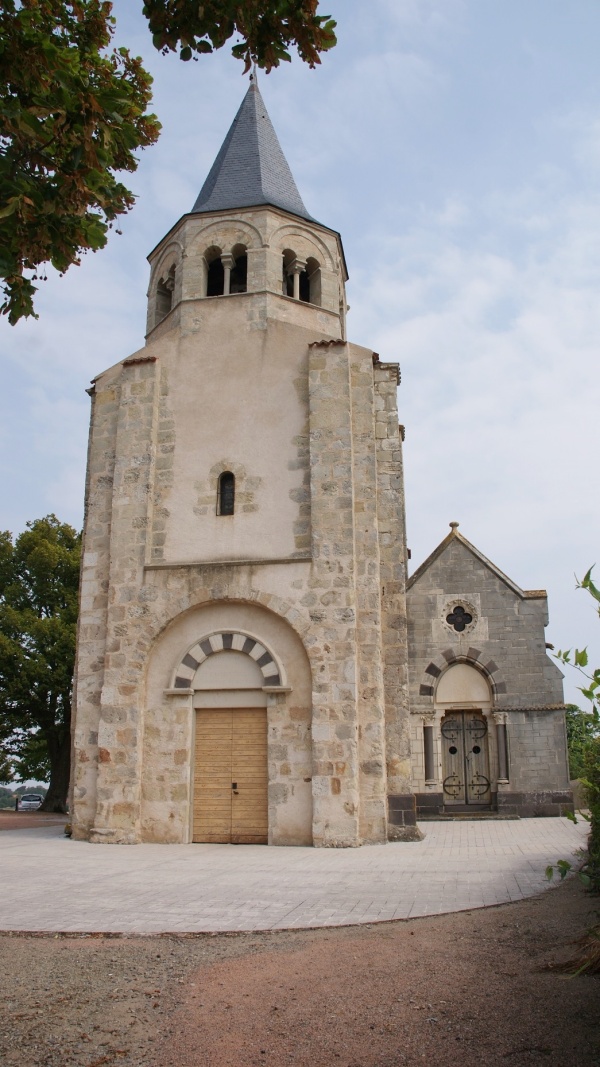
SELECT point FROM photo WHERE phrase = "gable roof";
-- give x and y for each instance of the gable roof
(250, 168)
(454, 535)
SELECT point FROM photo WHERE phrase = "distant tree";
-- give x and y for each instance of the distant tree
(581, 729)
(73, 113)
(39, 578)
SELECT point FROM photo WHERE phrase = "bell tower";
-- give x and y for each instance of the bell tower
(242, 661)
(249, 232)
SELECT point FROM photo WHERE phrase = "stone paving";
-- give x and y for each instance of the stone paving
(50, 883)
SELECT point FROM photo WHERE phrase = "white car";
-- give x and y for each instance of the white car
(30, 802)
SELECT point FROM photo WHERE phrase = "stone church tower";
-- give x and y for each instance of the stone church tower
(246, 670)
(242, 664)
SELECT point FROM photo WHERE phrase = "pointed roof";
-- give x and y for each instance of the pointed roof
(250, 168)
(454, 535)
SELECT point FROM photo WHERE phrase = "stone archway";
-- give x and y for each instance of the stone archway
(463, 701)
(226, 655)
(227, 640)
(231, 675)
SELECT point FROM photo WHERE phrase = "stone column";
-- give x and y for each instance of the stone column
(228, 264)
(296, 269)
(502, 744)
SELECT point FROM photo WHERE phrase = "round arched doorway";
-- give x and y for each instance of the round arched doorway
(462, 700)
(230, 781)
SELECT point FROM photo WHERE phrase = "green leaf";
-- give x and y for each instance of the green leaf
(550, 872)
(186, 54)
(10, 208)
(563, 867)
(581, 657)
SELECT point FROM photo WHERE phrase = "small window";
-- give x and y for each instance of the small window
(226, 494)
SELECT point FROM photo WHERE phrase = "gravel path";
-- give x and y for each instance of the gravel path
(471, 988)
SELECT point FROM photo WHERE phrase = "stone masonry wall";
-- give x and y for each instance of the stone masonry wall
(93, 599)
(393, 557)
(369, 693)
(331, 600)
(120, 726)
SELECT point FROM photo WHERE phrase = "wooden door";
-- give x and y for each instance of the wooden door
(230, 776)
(465, 760)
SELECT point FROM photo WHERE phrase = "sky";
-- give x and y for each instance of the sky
(455, 144)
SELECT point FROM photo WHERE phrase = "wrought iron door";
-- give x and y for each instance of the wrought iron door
(465, 759)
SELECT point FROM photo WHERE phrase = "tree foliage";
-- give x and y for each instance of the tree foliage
(579, 658)
(72, 114)
(590, 754)
(39, 579)
(581, 729)
(265, 29)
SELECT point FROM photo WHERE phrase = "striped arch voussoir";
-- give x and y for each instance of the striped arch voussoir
(223, 641)
(448, 658)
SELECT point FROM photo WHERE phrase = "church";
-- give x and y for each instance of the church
(254, 663)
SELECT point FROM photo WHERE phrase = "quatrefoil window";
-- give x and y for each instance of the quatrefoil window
(459, 618)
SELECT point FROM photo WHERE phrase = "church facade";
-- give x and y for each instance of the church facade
(253, 664)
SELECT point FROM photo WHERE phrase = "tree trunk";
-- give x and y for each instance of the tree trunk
(59, 751)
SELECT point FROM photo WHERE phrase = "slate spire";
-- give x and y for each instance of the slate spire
(250, 168)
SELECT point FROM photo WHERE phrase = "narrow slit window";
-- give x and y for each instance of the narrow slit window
(226, 494)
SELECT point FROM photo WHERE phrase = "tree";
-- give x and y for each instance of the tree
(73, 113)
(581, 729)
(39, 579)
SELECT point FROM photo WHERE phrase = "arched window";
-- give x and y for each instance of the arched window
(313, 271)
(239, 271)
(301, 280)
(304, 287)
(226, 494)
(287, 284)
(164, 294)
(215, 278)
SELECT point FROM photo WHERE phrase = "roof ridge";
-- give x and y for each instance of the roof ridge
(455, 535)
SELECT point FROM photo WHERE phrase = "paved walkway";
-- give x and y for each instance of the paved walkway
(49, 883)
